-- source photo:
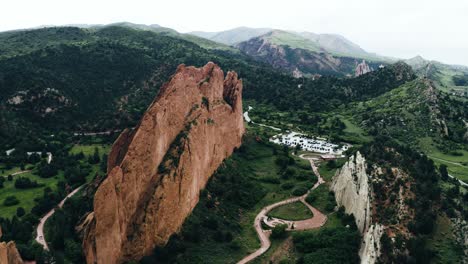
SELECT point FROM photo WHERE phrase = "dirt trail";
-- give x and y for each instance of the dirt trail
(317, 221)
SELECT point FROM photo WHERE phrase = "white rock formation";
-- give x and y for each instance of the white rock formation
(353, 191)
(351, 187)
(370, 247)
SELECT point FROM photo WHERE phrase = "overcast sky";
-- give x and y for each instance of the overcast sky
(434, 29)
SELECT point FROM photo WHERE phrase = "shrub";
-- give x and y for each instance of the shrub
(20, 211)
(95, 158)
(279, 231)
(302, 177)
(205, 102)
(46, 170)
(270, 179)
(10, 201)
(282, 161)
(331, 164)
(235, 245)
(311, 198)
(287, 185)
(290, 172)
(299, 191)
(25, 183)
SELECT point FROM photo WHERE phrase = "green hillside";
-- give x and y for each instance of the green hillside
(417, 114)
(279, 37)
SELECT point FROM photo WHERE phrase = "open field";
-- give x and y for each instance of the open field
(457, 165)
(293, 211)
(353, 132)
(89, 149)
(25, 196)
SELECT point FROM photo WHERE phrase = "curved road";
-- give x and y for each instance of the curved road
(453, 163)
(249, 120)
(316, 221)
(40, 227)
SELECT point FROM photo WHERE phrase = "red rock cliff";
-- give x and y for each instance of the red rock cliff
(157, 170)
(9, 253)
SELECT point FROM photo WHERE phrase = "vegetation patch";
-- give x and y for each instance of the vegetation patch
(322, 199)
(293, 211)
(328, 245)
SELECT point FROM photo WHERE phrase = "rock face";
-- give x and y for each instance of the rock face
(157, 170)
(353, 191)
(370, 247)
(9, 254)
(289, 59)
(362, 68)
(351, 187)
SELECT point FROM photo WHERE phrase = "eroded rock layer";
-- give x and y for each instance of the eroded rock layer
(353, 190)
(157, 170)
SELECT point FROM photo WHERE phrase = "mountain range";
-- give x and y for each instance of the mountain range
(333, 43)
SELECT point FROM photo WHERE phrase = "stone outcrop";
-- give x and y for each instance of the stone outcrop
(9, 253)
(370, 247)
(352, 189)
(362, 68)
(157, 170)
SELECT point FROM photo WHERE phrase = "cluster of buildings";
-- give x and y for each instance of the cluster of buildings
(49, 155)
(294, 139)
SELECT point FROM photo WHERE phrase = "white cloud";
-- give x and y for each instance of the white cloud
(401, 28)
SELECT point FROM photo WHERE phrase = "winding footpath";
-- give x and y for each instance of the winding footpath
(317, 221)
(40, 227)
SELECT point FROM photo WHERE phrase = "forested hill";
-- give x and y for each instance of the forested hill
(78, 79)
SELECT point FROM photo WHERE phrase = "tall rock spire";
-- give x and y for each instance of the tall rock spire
(157, 170)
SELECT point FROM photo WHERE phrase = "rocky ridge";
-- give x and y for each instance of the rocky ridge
(157, 170)
(297, 59)
(353, 190)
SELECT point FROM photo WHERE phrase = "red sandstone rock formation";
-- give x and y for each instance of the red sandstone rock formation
(157, 170)
(9, 253)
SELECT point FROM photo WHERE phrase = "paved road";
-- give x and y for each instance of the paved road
(460, 181)
(108, 132)
(316, 221)
(20, 172)
(249, 120)
(447, 161)
(40, 227)
(454, 163)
